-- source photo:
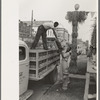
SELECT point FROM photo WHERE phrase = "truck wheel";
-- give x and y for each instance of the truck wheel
(53, 76)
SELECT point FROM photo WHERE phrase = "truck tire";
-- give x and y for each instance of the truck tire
(51, 78)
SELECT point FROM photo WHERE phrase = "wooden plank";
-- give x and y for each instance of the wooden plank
(37, 65)
(43, 75)
(43, 57)
(90, 67)
(76, 76)
(87, 86)
(55, 53)
(32, 68)
(41, 50)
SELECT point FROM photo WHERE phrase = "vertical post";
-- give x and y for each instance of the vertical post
(37, 64)
(86, 86)
(31, 24)
(74, 39)
(75, 17)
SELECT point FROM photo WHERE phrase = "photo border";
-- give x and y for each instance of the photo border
(98, 88)
(98, 44)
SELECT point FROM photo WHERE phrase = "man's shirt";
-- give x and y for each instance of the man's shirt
(48, 25)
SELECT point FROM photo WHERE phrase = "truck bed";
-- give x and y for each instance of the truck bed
(42, 62)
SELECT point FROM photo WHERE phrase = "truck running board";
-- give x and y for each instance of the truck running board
(26, 95)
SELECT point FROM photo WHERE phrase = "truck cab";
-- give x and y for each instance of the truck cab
(36, 64)
(23, 71)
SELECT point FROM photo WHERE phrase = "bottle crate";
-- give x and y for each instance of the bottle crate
(32, 64)
(41, 61)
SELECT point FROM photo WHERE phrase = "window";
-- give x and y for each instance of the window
(22, 53)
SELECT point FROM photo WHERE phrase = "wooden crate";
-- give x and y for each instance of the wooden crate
(41, 62)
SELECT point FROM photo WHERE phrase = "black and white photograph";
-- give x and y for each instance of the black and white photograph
(55, 56)
(57, 50)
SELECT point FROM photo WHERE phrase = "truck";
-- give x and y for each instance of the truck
(35, 65)
(24, 93)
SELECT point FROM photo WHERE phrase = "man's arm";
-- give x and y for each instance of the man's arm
(54, 33)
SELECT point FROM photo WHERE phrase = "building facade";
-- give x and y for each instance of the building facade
(63, 34)
(82, 46)
(24, 29)
(35, 26)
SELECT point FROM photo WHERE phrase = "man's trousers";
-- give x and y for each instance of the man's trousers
(40, 32)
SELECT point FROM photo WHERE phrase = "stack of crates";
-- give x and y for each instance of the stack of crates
(42, 62)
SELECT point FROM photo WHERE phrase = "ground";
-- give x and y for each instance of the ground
(75, 91)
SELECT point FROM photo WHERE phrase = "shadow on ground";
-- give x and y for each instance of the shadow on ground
(75, 91)
(76, 87)
(82, 64)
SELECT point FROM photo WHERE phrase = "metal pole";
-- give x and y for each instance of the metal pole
(31, 23)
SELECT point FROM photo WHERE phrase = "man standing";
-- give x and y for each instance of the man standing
(42, 29)
(65, 60)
